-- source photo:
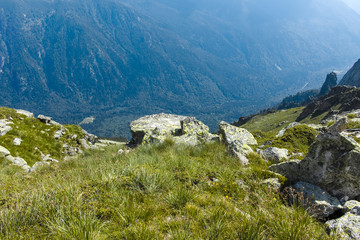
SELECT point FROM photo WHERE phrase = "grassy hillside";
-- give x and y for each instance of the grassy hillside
(164, 191)
(37, 136)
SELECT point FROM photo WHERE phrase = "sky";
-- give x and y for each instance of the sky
(354, 4)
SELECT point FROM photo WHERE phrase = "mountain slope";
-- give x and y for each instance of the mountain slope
(118, 60)
(352, 77)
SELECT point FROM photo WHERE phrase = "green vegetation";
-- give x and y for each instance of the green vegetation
(273, 121)
(36, 136)
(297, 139)
(163, 191)
(353, 125)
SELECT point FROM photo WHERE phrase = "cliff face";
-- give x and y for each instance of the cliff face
(352, 77)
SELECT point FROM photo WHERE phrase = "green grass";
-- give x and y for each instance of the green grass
(297, 139)
(36, 134)
(164, 191)
(273, 121)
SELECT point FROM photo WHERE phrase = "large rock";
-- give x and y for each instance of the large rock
(182, 129)
(26, 113)
(345, 228)
(321, 204)
(333, 163)
(155, 127)
(4, 127)
(275, 154)
(47, 120)
(231, 134)
(4, 152)
(237, 141)
(353, 207)
(18, 161)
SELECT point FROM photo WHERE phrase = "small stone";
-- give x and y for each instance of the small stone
(275, 154)
(121, 152)
(17, 141)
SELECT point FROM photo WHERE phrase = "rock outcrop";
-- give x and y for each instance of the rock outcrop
(352, 77)
(330, 82)
(333, 163)
(182, 129)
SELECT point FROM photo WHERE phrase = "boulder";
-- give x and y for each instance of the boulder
(182, 129)
(26, 113)
(4, 127)
(4, 152)
(91, 138)
(333, 163)
(237, 141)
(84, 144)
(275, 154)
(155, 127)
(58, 134)
(353, 207)
(47, 120)
(320, 203)
(231, 134)
(346, 228)
(18, 161)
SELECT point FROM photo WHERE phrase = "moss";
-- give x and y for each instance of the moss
(351, 115)
(353, 125)
(297, 139)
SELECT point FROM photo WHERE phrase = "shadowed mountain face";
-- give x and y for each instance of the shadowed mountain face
(116, 60)
(352, 77)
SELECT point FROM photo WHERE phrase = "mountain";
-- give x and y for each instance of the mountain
(117, 60)
(352, 77)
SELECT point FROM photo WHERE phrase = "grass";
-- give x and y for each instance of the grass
(164, 191)
(273, 122)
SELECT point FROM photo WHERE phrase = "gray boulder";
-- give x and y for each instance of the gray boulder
(47, 120)
(345, 228)
(154, 128)
(4, 127)
(320, 203)
(182, 129)
(26, 113)
(237, 141)
(353, 207)
(332, 164)
(91, 138)
(18, 161)
(231, 134)
(4, 152)
(275, 154)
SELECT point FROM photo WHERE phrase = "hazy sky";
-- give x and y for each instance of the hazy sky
(355, 4)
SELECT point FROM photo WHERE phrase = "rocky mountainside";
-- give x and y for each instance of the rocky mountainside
(352, 77)
(116, 60)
